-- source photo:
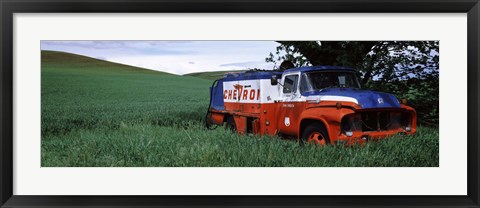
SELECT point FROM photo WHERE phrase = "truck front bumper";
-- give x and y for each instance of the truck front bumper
(359, 137)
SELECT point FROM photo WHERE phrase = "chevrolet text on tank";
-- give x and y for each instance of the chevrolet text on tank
(319, 104)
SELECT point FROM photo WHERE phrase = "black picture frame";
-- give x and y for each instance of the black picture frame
(10, 7)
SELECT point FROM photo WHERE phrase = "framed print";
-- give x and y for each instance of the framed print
(212, 103)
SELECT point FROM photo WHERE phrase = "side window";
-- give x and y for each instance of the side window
(304, 84)
(342, 81)
(290, 84)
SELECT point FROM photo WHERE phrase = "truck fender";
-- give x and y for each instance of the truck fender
(330, 117)
(216, 118)
(304, 122)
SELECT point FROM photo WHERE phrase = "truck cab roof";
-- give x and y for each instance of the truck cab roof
(319, 68)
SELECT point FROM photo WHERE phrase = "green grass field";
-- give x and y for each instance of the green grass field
(101, 114)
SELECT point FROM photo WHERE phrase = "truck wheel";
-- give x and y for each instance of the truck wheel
(315, 133)
(230, 124)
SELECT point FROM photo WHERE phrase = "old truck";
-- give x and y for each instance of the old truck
(318, 104)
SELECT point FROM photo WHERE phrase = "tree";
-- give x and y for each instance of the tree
(408, 69)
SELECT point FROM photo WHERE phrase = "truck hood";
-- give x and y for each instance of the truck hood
(364, 98)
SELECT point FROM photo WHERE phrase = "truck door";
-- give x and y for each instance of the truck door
(290, 105)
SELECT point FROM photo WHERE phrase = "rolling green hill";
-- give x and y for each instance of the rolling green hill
(97, 113)
(79, 91)
(74, 62)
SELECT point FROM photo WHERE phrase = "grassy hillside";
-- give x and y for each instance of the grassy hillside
(70, 63)
(98, 113)
(210, 75)
(81, 92)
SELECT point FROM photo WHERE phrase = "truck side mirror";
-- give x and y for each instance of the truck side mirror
(273, 80)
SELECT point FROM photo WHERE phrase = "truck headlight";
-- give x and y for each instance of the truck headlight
(351, 123)
(408, 128)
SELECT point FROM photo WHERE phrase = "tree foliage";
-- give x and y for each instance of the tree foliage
(408, 69)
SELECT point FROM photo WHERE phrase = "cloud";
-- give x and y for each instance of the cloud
(112, 44)
(177, 57)
(132, 47)
(87, 44)
(243, 64)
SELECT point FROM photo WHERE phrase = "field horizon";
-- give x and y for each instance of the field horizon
(96, 113)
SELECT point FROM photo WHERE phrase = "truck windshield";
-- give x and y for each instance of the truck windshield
(312, 81)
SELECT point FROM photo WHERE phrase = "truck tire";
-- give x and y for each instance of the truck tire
(315, 133)
(230, 124)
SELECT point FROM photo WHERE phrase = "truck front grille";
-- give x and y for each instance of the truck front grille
(375, 121)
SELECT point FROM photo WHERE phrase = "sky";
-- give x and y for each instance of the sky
(176, 57)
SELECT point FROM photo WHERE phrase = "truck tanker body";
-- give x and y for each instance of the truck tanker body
(319, 104)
